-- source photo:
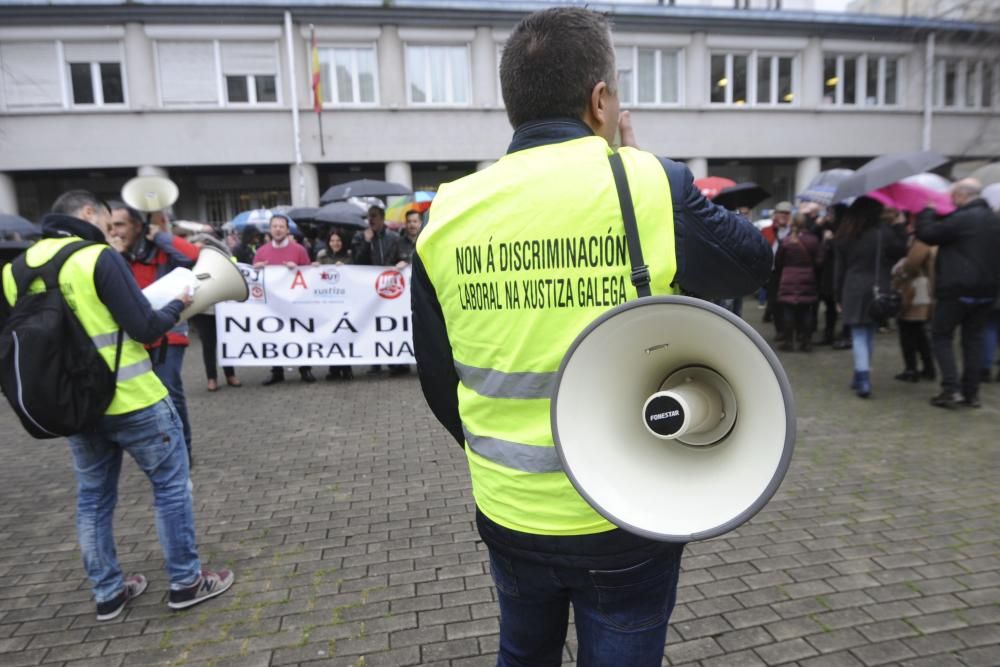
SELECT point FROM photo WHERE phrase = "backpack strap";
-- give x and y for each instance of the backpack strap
(24, 275)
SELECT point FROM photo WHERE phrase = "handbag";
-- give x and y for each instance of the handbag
(885, 304)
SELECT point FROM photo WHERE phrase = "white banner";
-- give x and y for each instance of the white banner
(318, 316)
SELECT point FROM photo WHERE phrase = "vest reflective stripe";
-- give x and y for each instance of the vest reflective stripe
(526, 458)
(134, 370)
(497, 384)
(523, 256)
(137, 386)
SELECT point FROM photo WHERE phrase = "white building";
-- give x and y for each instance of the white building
(215, 94)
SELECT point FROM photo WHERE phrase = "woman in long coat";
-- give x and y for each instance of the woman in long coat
(913, 276)
(796, 261)
(855, 249)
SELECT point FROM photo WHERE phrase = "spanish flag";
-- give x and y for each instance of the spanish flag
(316, 85)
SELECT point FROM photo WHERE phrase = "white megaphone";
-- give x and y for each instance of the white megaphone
(213, 278)
(150, 193)
(673, 418)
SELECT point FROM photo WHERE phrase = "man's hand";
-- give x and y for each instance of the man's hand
(402, 264)
(368, 234)
(291, 265)
(186, 297)
(259, 265)
(625, 129)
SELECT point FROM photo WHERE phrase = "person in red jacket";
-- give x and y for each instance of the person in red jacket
(151, 253)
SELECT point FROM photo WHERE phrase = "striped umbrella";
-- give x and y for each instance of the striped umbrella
(395, 213)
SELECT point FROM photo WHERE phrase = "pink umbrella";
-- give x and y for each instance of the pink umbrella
(912, 198)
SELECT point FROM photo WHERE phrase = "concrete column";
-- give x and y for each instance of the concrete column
(696, 65)
(140, 68)
(304, 184)
(698, 167)
(399, 172)
(150, 170)
(392, 68)
(8, 194)
(484, 69)
(811, 91)
(805, 171)
(483, 164)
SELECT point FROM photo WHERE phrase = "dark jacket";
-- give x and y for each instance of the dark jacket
(797, 259)
(854, 274)
(968, 259)
(407, 248)
(114, 283)
(719, 254)
(382, 250)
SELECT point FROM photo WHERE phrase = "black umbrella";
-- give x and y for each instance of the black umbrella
(363, 188)
(820, 190)
(342, 214)
(742, 194)
(885, 170)
(11, 224)
(302, 213)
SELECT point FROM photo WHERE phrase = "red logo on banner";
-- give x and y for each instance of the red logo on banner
(390, 284)
(299, 281)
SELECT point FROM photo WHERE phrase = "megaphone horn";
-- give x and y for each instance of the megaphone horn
(150, 193)
(673, 418)
(214, 278)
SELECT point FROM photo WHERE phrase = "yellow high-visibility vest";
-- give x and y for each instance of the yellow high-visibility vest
(523, 256)
(137, 387)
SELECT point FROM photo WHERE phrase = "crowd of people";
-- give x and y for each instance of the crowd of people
(871, 267)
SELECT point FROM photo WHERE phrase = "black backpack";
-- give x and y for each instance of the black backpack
(50, 370)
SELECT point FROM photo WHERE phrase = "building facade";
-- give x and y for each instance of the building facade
(218, 96)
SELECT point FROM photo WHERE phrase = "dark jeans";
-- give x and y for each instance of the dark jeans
(205, 326)
(797, 318)
(913, 341)
(773, 310)
(169, 372)
(990, 336)
(830, 317)
(621, 615)
(949, 314)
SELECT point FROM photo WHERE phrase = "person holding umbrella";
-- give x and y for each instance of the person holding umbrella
(377, 245)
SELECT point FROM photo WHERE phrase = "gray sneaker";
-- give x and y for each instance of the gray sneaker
(208, 585)
(109, 609)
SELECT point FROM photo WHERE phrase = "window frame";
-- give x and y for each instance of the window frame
(96, 86)
(659, 51)
(251, 80)
(328, 49)
(449, 81)
(861, 80)
(983, 69)
(754, 57)
(219, 79)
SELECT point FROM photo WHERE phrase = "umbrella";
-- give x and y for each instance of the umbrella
(420, 201)
(929, 181)
(912, 198)
(259, 218)
(712, 185)
(741, 195)
(11, 224)
(820, 190)
(886, 169)
(991, 193)
(302, 213)
(363, 188)
(343, 214)
(987, 175)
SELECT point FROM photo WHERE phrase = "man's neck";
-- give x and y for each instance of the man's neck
(282, 243)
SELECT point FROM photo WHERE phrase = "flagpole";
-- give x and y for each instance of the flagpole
(296, 129)
(322, 149)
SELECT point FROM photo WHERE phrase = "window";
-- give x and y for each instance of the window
(437, 74)
(861, 80)
(96, 83)
(217, 73)
(349, 75)
(648, 76)
(29, 72)
(967, 84)
(31, 76)
(752, 79)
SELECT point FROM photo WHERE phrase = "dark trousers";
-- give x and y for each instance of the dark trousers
(167, 366)
(797, 319)
(949, 314)
(830, 317)
(205, 326)
(773, 310)
(913, 342)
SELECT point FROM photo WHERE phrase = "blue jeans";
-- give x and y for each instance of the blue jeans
(991, 334)
(151, 436)
(863, 342)
(169, 373)
(621, 615)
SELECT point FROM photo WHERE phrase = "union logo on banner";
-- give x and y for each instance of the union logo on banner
(390, 284)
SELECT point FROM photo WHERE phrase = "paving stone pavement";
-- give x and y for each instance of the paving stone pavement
(346, 513)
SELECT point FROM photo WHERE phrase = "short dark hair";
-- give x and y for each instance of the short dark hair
(133, 214)
(412, 211)
(552, 61)
(282, 216)
(74, 201)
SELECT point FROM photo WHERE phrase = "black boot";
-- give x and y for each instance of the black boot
(307, 375)
(276, 376)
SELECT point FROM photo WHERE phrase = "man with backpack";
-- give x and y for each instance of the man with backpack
(100, 300)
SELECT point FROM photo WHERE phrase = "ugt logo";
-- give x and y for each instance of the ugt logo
(390, 284)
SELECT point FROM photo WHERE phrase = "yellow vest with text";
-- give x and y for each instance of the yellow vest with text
(137, 387)
(523, 256)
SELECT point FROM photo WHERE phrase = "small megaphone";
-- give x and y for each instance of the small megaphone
(213, 279)
(150, 194)
(673, 418)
